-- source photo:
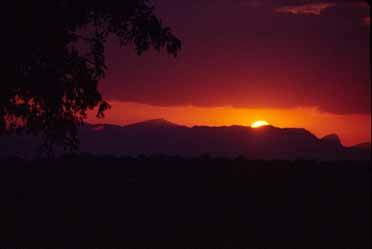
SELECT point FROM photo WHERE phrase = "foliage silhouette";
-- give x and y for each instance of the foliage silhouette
(54, 54)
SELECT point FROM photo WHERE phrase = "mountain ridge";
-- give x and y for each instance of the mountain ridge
(267, 142)
(159, 136)
(159, 122)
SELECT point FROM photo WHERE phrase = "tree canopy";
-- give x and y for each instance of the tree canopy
(54, 57)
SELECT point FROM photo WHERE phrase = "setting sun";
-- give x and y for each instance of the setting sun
(259, 123)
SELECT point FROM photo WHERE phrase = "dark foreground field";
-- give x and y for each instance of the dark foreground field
(90, 202)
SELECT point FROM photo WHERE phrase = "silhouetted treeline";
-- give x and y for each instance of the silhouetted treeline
(171, 202)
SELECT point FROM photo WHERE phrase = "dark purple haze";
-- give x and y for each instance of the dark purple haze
(250, 53)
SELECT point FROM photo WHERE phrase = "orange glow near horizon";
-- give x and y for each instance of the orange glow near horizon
(259, 123)
(352, 128)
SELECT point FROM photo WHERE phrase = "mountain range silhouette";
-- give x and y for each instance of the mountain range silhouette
(161, 137)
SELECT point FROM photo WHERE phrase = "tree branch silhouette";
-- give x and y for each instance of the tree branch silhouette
(51, 83)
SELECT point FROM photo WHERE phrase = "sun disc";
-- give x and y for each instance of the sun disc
(259, 123)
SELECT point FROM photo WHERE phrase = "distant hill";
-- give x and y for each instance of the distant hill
(363, 146)
(163, 137)
(160, 136)
(153, 123)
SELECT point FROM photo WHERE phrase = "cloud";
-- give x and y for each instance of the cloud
(316, 8)
(251, 58)
(305, 9)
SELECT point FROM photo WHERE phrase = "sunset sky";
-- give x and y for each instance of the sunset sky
(291, 63)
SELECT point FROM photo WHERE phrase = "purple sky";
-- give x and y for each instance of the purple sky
(252, 54)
